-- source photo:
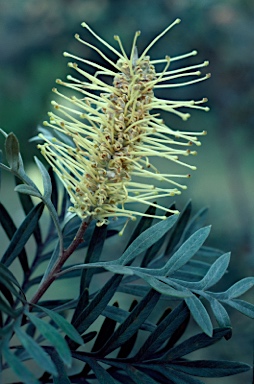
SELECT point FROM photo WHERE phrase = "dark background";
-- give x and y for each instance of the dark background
(35, 33)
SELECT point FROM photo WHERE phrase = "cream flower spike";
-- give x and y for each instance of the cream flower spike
(115, 133)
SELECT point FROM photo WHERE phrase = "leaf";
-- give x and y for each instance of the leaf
(216, 271)
(146, 239)
(18, 368)
(200, 314)
(195, 343)
(93, 255)
(63, 324)
(53, 336)
(186, 251)
(174, 376)
(96, 305)
(45, 179)
(239, 288)
(103, 376)
(162, 287)
(22, 235)
(139, 377)
(5, 273)
(10, 229)
(120, 315)
(28, 190)
(35, 351)
(12, 151)
(27, 205)
(179, 228)
(211, 368)
(132, 324)
(195, 223)
(144, 223)
(61, 377)
(128, 346)
(5, 308)
(107, 329)
(165, 330)
(220, 313)
(51, 263)
(242, 306)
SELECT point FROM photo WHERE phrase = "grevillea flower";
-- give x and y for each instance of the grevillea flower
(115, 133)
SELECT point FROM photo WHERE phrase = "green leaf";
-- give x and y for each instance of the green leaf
(61, 377)
(6, 274)
(51, 334)
(120, 315)
(200, 314)
(139, 377)
(179, 228)
(63, 324)
(146, 239)
(22, 235)
(173, 375)
(211, 368)
(240, 288)
(5, 308)
(10, 229)
(96, 305)
(216, 271)
(12, 151)
(195, 223)
(35, 351)
(28, 190)
(220, 313)
(93, 255)
(242, 306)
(106, 330)
(133, 322)
(51, 263)
(27, 205)
(45, 179)
(18, 368)
(165, 330)
(195, 343)
(162, 287)
(186, 251)
(144, 223)
(103, 376)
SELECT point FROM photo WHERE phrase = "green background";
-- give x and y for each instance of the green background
(34, 34)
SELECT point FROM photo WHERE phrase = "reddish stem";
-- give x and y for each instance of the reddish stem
(59, 263)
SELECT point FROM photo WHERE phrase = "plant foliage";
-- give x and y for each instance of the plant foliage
(166, 273)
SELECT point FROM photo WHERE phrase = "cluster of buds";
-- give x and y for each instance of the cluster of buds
(115, 134)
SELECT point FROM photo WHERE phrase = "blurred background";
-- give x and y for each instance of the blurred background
(34, 34)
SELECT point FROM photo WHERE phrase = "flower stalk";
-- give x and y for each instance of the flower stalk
(106, 138)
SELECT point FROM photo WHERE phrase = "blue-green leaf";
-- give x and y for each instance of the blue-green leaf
(18, 368)
(35, 351)
(146, 239)
(186, 251)
(12, 151)
(240, 288)
(200, 314)
(242, 306)
(220, 313)
(22, 235)
(53, 336)
(216, 271)
(194, 343)
(164, 288)
(63, 324)
(45, 179)
(103, 376)
(28, 190)
(211, 368)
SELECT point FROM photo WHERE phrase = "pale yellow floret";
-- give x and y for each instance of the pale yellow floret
(113, 133)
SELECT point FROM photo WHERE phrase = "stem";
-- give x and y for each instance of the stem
(63, 257)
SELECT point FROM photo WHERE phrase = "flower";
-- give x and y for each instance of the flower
(114, 132)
